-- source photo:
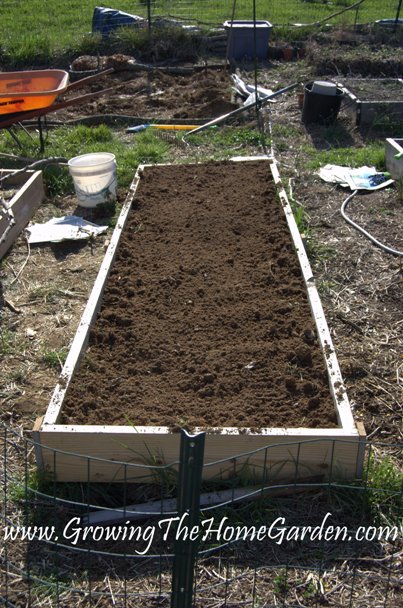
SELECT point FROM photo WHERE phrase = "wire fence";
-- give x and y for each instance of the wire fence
(294, 11)
(29, 26)
(182, 541)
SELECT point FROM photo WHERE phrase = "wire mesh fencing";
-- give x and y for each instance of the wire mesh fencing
(29, 29)
(292, 12)
(185, 538)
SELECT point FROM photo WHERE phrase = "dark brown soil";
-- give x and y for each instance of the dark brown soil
(155, 95)
(367, 89)
(205, 319)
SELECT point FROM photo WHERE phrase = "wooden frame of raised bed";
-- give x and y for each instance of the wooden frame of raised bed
(119, 453)
(393, 160)
(21, 207)
(365, 112)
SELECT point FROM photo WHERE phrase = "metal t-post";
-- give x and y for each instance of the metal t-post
(149, 16)
(398, 14)
(185, 550)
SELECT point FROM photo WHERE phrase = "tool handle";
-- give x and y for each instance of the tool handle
(248, 106)
(174, 127)
(137, 129)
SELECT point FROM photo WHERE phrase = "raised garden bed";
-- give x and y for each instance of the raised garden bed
(369, 100)
(205, 302)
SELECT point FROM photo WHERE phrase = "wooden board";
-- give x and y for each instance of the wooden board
(121, 454)
(23, 205)
(394, 165)
(370, 111)
(118, 453)
(366, 112)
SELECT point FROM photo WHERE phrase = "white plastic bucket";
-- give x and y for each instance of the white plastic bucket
(94, 177)
(323, 87)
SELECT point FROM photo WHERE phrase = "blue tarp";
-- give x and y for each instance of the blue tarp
(105, 20)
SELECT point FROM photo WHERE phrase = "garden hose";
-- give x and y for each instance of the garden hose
(363, 231)
(38, 164)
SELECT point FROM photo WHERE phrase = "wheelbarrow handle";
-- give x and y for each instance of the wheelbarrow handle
(21, 116)
(83, 81)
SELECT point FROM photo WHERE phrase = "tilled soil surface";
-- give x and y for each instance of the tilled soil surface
(154, 94)
(205, 319)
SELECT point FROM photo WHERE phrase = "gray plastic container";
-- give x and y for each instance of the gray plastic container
(240, 36)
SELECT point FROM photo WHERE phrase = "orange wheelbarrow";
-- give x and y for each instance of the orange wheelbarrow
(32, 94)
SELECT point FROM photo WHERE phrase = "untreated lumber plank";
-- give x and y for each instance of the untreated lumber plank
(23, 205)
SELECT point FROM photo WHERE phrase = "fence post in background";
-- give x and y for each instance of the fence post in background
(356, 17)
(185, 550)
(398, 15)
(149, 16)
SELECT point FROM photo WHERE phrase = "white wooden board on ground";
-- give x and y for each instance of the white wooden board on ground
(23, 204)
(394, 157)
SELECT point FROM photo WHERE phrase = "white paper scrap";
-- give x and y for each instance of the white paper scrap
(248, 90)
(363, 178)
(68, 227)
(335, 174)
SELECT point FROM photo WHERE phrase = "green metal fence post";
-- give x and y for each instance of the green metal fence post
(398, 14)
(149, 16)
(190, 473)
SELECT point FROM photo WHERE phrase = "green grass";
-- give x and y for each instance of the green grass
(54, 358)
(300, 215)
(169, 42)
(10, 342)
(385, 483)
(21, 487)
(372, 154)
(44, 293)
(7, 342)
(144, 147)
(280, 583)
(67, 142)
(48, 588)
(228, 141)
(17, 375)
(378, 497)
(30, 34)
